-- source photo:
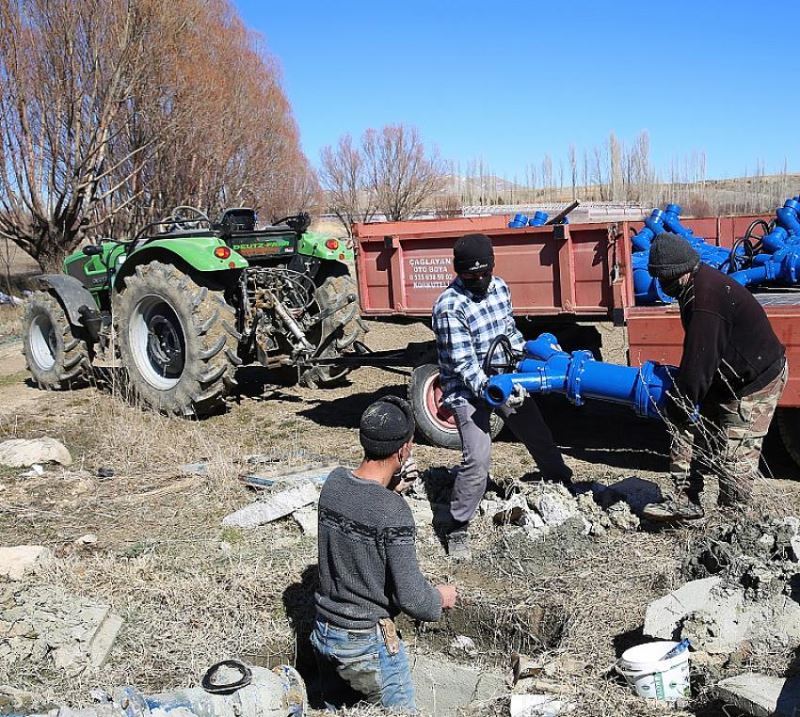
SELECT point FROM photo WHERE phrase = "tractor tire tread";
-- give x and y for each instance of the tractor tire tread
(72, 366)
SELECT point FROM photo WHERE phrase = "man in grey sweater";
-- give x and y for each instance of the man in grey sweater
(368, 569)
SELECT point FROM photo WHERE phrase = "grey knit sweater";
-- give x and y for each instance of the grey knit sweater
(368, 566)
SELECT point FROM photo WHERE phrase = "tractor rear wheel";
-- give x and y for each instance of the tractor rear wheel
(56, 357)
(177, 341)
(335, 334)
(436, 423)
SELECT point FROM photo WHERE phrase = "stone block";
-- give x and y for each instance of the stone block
(443, 687)
(22, 452)
(761, 695)
(17, 561)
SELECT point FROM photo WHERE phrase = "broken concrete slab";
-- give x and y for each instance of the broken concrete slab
(443, 687)
(308, 520)
(664, 616)
(103, 640)
(761, 695)
(19, 560)
(273, 507)
(718, 617)
(23, 452)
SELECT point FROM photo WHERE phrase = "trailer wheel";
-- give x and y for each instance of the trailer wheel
(435, 423)
(789, 428)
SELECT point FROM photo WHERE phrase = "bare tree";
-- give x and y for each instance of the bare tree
(399, 171)
(70, 71)
(343, 176)
(573, 171)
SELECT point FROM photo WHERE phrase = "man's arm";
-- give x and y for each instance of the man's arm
(456, 351)
(412, 592)
(705, 342)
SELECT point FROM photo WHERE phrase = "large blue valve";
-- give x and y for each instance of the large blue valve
(546, 368)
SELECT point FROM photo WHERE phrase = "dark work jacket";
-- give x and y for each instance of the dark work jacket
(730, 349)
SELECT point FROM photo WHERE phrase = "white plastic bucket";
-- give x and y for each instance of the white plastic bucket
(644, 669)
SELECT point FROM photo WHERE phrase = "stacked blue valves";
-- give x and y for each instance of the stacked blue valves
(546, 368)
(778, 260)
(539, 219)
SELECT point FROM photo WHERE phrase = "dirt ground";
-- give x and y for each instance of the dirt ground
(192, 592)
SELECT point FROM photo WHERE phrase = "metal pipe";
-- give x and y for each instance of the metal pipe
(271, 693)
(545, 368)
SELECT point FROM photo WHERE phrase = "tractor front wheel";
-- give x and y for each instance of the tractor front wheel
(177, 341)
(436, 423)
(56, 357)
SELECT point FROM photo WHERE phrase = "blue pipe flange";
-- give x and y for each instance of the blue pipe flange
(574, 372)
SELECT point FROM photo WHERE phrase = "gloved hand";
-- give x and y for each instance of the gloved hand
(406, 476)
(517, 397)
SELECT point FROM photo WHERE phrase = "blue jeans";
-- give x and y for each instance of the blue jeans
(355, 666)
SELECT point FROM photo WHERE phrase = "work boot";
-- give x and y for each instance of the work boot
(673, 510)
(458, 545)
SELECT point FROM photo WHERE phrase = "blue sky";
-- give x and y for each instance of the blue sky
(511, 81)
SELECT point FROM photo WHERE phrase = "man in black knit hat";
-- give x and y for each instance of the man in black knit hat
(733, 368)
(467, 317)
(368, 569)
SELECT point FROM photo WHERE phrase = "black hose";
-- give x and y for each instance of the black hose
(215, 688)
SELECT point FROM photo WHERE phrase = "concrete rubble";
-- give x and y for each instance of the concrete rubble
(44, 624)
(22, 452)
(760, 695)
(541, 507)
(535, 705)
(19, 560)
(746, 591)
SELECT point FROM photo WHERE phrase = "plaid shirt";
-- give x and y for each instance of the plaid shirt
(464, 328)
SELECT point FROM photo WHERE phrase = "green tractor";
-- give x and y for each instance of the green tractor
(187, 301)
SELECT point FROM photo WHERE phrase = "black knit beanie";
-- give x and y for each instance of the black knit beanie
(671, 256)
(386, 426)
(473, 252)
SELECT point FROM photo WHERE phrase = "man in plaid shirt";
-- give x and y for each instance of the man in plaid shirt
(467, 317)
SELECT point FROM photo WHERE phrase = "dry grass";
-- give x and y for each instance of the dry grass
(192, 592)
(10, 322)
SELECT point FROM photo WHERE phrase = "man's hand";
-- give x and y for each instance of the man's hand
(517, 397)
(407, 475)
(448, 595)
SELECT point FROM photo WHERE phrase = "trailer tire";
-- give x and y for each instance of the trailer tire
(436, 424)
(789, 429)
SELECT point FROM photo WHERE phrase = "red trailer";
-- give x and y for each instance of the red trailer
(559, 275)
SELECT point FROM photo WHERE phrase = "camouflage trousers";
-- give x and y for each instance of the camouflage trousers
(725, 441)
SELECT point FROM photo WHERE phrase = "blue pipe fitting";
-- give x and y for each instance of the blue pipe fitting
(539, 219)
(545, 368)
(646, 288)
(671, 218)
(519, 220)
(787, 216)
(653, 226)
